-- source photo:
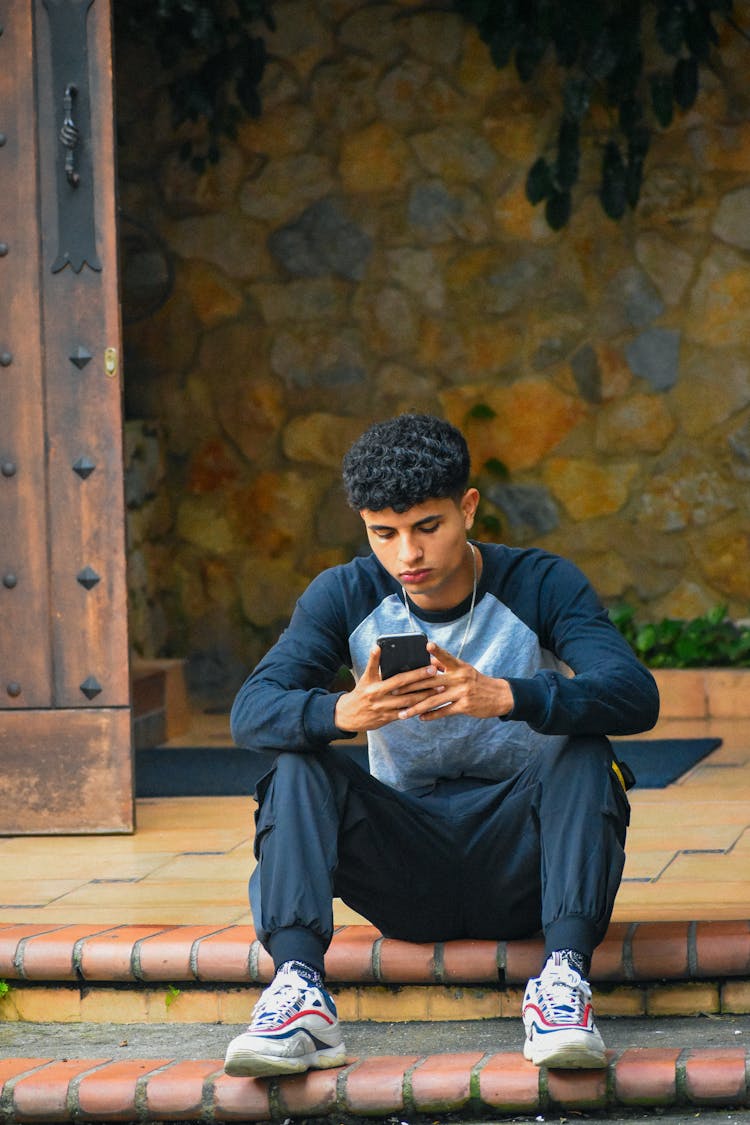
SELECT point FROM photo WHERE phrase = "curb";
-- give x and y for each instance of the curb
(631, 952)
(151, 1090)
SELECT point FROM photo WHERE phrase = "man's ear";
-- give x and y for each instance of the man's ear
(469, 504)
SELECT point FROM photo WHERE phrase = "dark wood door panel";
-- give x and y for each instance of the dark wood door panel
(80, 329)
(64, 772)
(25, 658)
(65, 727)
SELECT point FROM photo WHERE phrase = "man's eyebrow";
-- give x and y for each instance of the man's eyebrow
(389, 527)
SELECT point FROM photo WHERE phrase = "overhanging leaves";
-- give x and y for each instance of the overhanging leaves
(637, 58)
(214, 56)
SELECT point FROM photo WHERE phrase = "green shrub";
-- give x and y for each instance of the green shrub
(711, 641)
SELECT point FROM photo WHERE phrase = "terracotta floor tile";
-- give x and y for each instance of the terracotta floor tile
(343, 915)
(133, 914)
(82, 866)
(673, 838)
(193, 813)
(163, 874)
(707, 867)
(686, 811)
(15, 893)
(228, 893)
(646, 864)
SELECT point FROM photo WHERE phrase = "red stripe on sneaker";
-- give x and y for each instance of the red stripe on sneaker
(584, 1023)
(300, 1015)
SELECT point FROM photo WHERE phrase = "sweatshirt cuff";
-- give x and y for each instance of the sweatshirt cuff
(530, 701)
(319, 723)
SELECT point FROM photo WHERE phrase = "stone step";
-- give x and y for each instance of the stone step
(149, 973)
(160, 705)
(472, 1084)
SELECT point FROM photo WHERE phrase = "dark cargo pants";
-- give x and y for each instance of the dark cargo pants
(471, 858)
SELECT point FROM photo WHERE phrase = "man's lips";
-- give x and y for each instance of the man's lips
(415, 575)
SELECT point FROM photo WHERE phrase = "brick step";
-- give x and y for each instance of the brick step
(149, 973)
(100, 1089)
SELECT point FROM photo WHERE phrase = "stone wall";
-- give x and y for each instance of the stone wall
(366, 248)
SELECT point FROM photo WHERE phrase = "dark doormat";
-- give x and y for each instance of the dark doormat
(657, 762)
(226, 771)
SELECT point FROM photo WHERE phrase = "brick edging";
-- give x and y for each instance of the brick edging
(44, 1089)
(631, 952)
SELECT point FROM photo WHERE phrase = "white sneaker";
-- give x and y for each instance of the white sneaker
(294, 1027)
(559, 1019)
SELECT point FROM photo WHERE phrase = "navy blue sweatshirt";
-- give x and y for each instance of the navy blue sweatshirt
(537, 623)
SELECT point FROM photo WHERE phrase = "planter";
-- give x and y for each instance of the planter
(704, 693)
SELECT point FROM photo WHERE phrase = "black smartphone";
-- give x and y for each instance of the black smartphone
(401, 652)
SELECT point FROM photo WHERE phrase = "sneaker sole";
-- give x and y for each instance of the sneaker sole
(566, 1056)
(246, 1063)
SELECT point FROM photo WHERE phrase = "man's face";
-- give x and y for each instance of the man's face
(425, 549)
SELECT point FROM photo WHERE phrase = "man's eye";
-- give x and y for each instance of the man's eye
(432, 527)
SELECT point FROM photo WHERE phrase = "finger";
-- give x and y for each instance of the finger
(442, 655)
(413, 679)
(372, 668)
(431, 706)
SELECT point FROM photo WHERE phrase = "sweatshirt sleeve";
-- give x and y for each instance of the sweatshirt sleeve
(285, 703)
(610, 691)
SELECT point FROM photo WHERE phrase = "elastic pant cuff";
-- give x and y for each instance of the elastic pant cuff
(297, 943)
(571, 933)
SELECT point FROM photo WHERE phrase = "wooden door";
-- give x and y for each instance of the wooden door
(65, 741)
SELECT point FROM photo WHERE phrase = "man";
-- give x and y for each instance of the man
(493, 807)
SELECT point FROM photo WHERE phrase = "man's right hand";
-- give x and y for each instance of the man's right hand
(375, 702)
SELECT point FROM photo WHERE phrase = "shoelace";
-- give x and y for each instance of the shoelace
(284, 1000)
(563, 999)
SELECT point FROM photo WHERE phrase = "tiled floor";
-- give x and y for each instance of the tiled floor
(188, 862)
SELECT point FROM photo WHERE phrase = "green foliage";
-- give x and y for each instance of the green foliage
(4, 989)
(482, 411)
(703, 642)
(639, 58)
(171, 995)
(214, 59)
(488, 521)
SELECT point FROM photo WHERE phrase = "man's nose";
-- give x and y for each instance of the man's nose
(409, 549)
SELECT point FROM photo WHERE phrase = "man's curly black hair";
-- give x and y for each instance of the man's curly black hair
(405, 461)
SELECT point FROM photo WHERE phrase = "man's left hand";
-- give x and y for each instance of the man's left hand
(465, 692)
